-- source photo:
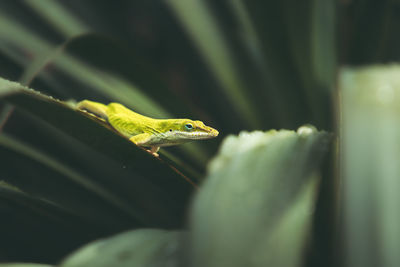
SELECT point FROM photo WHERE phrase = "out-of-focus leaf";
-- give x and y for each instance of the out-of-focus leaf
(285, 84)
(311, 28)
(145, 247)
(37, 220)
(41, 206)
(271, 97)
(370, 153)
(5, 113)
(24, 265)
(370, 46)
(323, 45)
(208, 37)
(57, 16)
(256, 205)
(9, 143)
(151, 179)
(106, 83)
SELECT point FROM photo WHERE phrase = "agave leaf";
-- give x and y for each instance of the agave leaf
(370, 134)
(147, 174)
(255, 207)
(145, 247)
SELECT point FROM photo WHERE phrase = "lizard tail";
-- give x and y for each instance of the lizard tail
(98, 109)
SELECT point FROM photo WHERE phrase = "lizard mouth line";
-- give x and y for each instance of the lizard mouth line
(193, 135)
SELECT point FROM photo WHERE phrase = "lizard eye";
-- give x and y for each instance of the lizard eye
(189, 126)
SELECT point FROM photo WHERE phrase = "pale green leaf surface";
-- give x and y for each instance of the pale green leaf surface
(370, 153)
(258, 196)
(141, 248)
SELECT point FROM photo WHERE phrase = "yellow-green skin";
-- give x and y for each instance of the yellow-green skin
(148, 132)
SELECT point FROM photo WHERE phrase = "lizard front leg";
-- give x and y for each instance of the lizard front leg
(153, 150)
(142, 139)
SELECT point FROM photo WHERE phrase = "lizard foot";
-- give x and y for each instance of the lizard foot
(153, 150)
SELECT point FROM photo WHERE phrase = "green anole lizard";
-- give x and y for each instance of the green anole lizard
(145, 131)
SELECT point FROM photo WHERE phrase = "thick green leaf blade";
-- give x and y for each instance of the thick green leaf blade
(370, 152)
(258, 198)
(145, 247)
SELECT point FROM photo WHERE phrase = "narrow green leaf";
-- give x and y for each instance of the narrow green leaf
(10, 143)
(311, 32)
(47, 212)
(41, 206)
(57, 16)
(323, 43)
(203, 28)
(273, 96)
(255, 208)
(5, 113)
(370, 152)
(149, 174)
(145, 247)
(104, 83)
(30, 226)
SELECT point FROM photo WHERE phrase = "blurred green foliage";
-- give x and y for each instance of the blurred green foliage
(266, 198)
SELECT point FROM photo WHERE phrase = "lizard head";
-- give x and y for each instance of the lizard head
(177, 131)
